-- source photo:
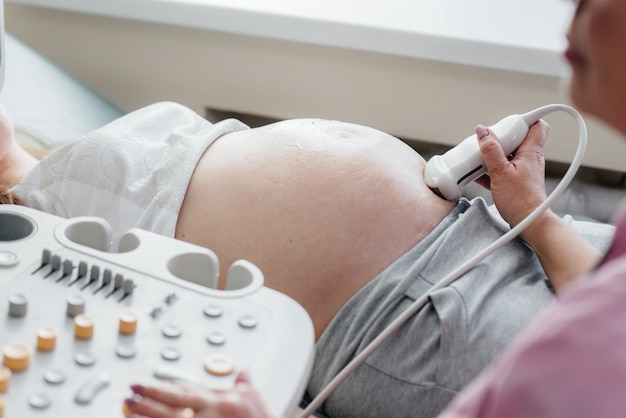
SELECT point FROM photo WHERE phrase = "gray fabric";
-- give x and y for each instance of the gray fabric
(451, 339)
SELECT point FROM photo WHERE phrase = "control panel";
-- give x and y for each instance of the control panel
(81, 322)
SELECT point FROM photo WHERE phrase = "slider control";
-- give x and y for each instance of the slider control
(118, 281)
(82, 272)
(129, 286)
(55, 265)
(107, 278)
(46, 255)
(93, 277)
(68, 266)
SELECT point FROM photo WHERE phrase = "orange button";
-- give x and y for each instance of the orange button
(46, 338)
(83, 327)
(5, 378)
(128, 323)
(16, 356)
(218, 365)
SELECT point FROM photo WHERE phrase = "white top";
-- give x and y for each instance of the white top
(524, 36)
(133, 172)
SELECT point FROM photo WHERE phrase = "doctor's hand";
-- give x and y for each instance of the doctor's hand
(182, 401)
(517, 183)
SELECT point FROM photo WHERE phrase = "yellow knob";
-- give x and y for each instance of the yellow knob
(46, 338)
(219, 365)
(128, 323)
(16, 356)
(5, 378)
(83, 327)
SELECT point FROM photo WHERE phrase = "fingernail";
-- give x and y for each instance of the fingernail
(244, 376)
(481, 131)
(132, 401)
(138, 389)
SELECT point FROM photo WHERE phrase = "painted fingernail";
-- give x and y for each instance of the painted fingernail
(132, 401)
(481, 131)
(138, 389)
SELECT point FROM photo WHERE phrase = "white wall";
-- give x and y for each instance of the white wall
(135, 62)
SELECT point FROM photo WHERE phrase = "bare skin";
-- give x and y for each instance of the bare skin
(333, 205)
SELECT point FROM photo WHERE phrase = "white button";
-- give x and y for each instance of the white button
(39, 401)
(8, 258)
(171, 331)
(54, 377)
(125, 351)
(84, 359)
(171, 354)
(216, 338)
(18, 305)
(75, 305)
(213, 311)
(89, 391)
(248, 321)
(172, 373)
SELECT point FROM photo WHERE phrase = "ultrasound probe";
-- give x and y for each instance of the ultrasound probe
(452, 171)
(447, 174)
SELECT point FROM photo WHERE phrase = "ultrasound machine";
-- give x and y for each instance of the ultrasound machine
(80, 323)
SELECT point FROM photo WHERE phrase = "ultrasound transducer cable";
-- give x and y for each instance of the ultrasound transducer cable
(508, 131)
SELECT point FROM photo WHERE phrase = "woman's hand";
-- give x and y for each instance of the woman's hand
(183, 401)
(517, 184)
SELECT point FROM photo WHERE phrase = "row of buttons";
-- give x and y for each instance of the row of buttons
(217, 365)
(16, 356)
(103, 281)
